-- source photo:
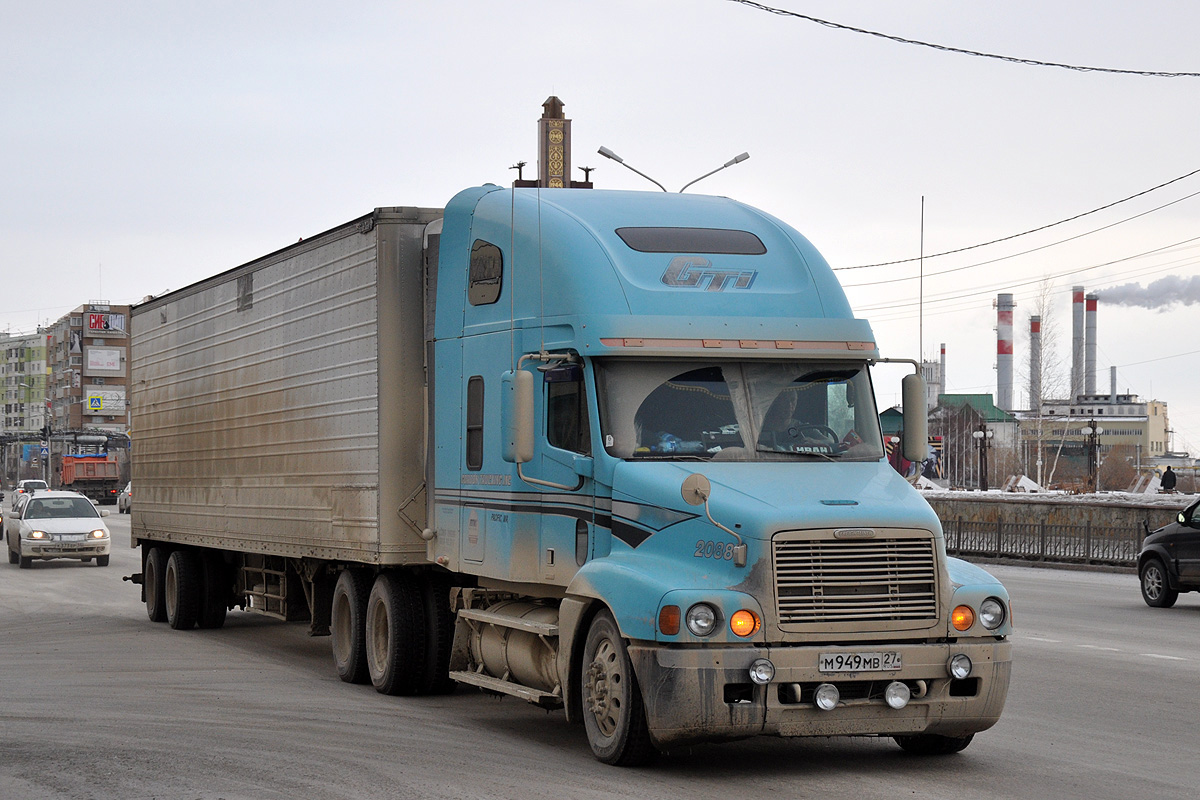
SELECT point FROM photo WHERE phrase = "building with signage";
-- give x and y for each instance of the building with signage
(23, 370)
(89, 371)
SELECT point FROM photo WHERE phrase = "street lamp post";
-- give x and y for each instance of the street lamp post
(1092, 432)
(604, 151)
(983, 439)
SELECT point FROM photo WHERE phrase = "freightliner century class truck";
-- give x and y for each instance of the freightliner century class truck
(605, 451)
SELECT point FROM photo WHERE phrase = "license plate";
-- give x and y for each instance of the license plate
(72, 537)
(859, 662)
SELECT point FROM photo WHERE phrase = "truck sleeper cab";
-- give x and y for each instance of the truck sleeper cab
(812, 594)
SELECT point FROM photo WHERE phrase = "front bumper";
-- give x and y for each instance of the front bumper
(37, 548)
(697, 695)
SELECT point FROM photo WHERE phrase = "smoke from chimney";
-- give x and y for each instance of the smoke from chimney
(1160, 294)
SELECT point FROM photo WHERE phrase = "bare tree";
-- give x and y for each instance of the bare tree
(1051, 382)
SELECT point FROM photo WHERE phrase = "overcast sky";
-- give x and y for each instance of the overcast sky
(146, 145)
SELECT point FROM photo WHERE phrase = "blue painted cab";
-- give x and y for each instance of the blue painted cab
(677, 335)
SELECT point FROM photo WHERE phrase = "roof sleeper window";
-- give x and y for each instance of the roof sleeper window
(486, 271)
(709, 241)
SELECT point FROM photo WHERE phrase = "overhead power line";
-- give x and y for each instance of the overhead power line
(1033, 230)
(1023, 252)
(1012, 59)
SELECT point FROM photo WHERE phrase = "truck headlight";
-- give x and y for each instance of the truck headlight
(991, 613)
(702, 619)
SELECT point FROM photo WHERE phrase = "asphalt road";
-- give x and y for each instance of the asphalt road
(97, 702)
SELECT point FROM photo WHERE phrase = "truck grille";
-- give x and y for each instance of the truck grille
(831, 581)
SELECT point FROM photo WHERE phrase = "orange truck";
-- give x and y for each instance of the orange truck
(94, 475)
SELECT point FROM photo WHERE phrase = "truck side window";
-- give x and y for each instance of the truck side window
(475, 423)
(566, 410)
(486, 271)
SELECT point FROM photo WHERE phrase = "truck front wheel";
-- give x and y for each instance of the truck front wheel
(932, 744)
(613, 713)
(396, 643)
(348, 626)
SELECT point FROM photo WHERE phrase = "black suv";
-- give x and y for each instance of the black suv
(1170, 559)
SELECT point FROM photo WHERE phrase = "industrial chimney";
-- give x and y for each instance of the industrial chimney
(1076, 342)
(1004, 351)
(1035, 363)
(1089, 344)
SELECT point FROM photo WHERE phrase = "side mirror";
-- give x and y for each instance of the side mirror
(516, 413)
(916, 419)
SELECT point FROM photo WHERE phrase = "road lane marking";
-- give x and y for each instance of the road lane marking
(1166, 658)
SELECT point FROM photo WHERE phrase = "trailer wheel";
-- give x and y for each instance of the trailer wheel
(214, 593)
(613, 713)
(396, 640)
(932, 744)
(439, 640)
(182, 589)
(348, 626)
(152, 584)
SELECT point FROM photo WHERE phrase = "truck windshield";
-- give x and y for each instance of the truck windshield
(737, 410)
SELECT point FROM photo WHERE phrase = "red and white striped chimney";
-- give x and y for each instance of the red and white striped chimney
(1004, 351)
(1035, 363)
(1089, 344)
(1076, 342)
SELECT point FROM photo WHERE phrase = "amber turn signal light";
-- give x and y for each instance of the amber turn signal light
(962, 618)
(744, 623)
(668, 620)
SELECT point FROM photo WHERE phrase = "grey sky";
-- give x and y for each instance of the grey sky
(145, 145)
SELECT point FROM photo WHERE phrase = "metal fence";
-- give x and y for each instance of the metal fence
(1042, 542)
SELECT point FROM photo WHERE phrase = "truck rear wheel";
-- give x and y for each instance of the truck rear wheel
(152, 584)
(439, 629)
(182, 589)
(396, 641)
(613, 713)
(348, 626)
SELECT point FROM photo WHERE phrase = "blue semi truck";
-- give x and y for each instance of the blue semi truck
(610, 452)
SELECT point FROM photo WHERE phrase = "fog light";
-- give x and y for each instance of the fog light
(897, 695)
(762, 671)
(826, 697)
(960, 666)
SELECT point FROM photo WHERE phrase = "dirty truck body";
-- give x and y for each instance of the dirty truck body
(613, 452)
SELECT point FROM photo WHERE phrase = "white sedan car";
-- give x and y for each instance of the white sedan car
(56, 525)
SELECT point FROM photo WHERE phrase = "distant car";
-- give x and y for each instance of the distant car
(125, 499)
(49, 525)
(1170, 559)
(25, 487)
